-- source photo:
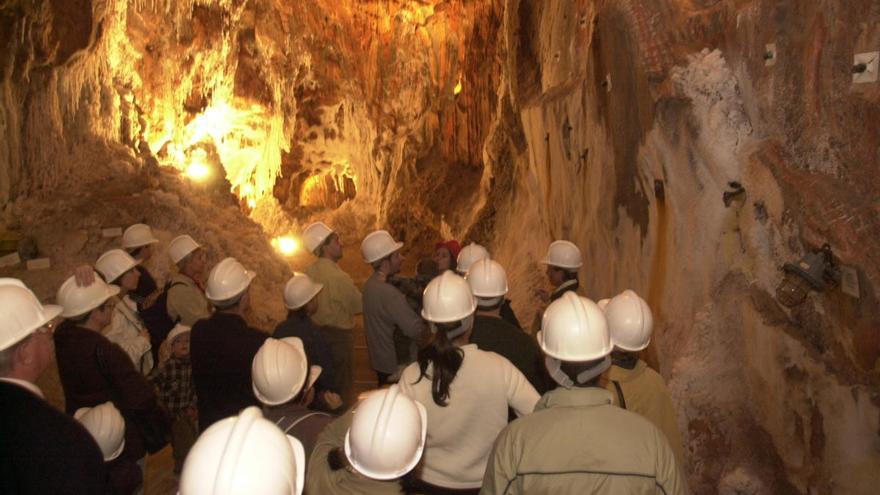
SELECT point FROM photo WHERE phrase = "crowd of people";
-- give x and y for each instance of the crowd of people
(467, 400)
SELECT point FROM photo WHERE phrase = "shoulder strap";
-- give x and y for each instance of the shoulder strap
(301, 418)
(620, 398)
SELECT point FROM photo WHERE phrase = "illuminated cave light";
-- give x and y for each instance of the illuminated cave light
(197, 169)
(287, 245)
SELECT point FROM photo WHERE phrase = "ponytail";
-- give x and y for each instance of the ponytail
(446, 359)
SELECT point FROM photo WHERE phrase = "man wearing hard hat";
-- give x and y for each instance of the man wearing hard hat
(385, 307)
(138, 241)
(632, 384)
(338, 302)
(563, 261)
(186, 299)
(576, 440)
(94, 370)
(223, 346)
(42, 450)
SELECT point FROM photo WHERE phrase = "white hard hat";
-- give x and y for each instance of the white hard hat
(21, 312)
(107, 427)
(244, 454)
(603, 303)
(138, 235)
(279, 370)
(563, 254)
(315, 234)
(447, 298)
(469, 255)
(78, 300)
(227, 280)
(574, 329)
(300, 289)
(629, 321)
(487, 279)
(180, 247)
(114, 263)
(387, 434)
(378, 245)
(178, 329)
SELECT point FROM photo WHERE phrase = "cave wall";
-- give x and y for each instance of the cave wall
(630, 155)
(619, 125)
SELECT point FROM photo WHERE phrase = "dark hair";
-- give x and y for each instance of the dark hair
(378, 263)
(229, 303)
(453, 262)
(300, 313)
(625, 359)
(319, 251)
(446, 359)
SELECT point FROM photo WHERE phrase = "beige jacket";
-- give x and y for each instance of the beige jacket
(577, 442)
(339, 300)
(186, 301)
(321, 480)
(124, 330)
(645, 393)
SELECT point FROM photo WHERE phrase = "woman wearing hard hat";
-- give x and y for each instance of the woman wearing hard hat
(465, 390)
(126, 327)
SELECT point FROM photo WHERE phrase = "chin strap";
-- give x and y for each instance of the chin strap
(554, 367)
(465, 325)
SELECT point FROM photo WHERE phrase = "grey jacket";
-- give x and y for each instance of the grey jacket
(385, 308)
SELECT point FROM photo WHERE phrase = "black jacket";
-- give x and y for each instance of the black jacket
(317, 347)
(498, 336)
(42, 450)
(221, 349)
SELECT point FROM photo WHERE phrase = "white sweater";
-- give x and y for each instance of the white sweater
(123, 330)
(460, 435)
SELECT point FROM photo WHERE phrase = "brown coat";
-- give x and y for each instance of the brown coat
(87, 384)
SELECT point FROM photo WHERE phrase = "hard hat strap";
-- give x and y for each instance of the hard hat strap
(554, 367)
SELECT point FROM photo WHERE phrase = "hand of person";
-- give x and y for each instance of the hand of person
(333, 400)
(84, 275)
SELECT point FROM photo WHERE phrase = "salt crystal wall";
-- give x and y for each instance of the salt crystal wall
(619, 125)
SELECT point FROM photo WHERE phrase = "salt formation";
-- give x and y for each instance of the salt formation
(649, 132)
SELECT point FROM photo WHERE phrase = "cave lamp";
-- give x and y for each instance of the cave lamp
(813, 272)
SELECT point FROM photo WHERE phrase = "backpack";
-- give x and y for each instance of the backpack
(156, 319)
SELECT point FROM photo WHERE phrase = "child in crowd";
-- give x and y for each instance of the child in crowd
(173, 379)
